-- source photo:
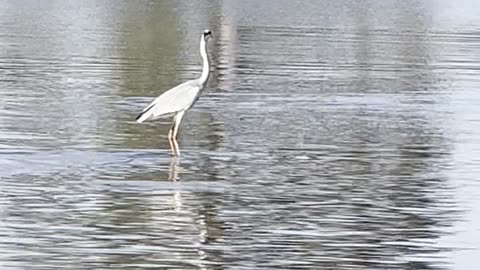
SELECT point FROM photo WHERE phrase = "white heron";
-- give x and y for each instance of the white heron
(179, 99)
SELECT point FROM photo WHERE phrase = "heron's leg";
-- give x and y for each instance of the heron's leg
(170, 141)
(176, 124)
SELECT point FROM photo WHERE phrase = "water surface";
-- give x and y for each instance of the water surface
(332, 135)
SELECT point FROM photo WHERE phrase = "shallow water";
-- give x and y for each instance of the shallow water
(331, 136)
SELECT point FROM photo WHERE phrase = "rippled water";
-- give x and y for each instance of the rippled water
(332, 135)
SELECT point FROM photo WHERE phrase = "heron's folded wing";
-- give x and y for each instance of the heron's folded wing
(176, 99)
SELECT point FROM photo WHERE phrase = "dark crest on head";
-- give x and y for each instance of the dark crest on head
(207, 33)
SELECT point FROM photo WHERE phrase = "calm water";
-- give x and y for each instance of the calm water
(332, 135)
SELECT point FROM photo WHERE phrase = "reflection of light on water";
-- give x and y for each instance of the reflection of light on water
(227, 49)
(200, 222)
(202, 239)
(177, 201)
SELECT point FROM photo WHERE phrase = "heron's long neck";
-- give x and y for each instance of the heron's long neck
(206, 65)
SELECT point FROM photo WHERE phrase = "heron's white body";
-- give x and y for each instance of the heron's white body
(180, 98)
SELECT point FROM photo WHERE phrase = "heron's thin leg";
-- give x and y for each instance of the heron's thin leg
(176, 124)
(170, 141)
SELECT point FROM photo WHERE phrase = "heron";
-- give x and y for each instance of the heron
(180, 98)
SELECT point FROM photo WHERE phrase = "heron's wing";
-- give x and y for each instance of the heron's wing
(176, 99)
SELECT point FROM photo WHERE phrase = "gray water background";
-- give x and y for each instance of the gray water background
(332, 135)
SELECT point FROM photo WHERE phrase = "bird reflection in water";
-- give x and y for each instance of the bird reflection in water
(173, 169)
(173, 176)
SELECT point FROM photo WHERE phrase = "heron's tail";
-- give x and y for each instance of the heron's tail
(145, 114)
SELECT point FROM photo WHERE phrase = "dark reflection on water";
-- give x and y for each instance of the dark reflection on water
(333, 135)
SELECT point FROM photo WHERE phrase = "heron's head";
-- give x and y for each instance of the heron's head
(207, 34)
